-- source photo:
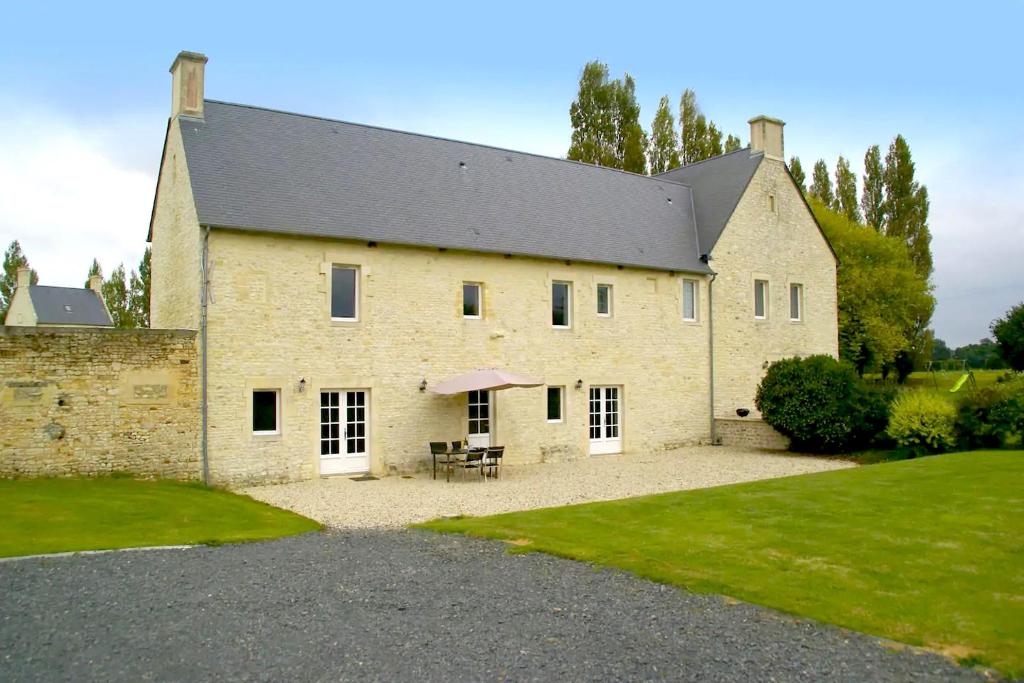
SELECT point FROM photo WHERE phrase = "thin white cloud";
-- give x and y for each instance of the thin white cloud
(70, 193)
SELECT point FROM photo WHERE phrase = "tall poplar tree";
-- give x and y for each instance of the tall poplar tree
(94, 269)
(630, 137)
(605, 121)
(688, 141)
(846, 190)
(14, 258)
(872, 196)
(906, 206)
(732, 143)
(796, 169)
(714, 147)
(115, 294)
(139, 291)
(821, 184)
(663, 152)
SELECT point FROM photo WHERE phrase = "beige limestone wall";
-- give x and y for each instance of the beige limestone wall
(749, 432)
(92, 401)
(269, 327)
(176, 243)
(21, 311)
(783, 246)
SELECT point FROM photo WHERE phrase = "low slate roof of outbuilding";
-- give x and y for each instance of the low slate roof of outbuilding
(265, 170)
(717, 183)
(68, 306)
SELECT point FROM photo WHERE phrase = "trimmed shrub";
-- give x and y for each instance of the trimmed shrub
(822, 405)
(922, 423)
(992, 417)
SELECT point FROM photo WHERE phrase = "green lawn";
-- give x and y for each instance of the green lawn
(942, 381)
(54, 515)
(928, 551)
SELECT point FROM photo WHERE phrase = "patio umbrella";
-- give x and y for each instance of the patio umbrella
(482, 380)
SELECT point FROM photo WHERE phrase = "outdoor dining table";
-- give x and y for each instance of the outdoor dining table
(455, 453)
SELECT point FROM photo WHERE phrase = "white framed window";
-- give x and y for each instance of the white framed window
(690, 290)
(472, 300)
(561, 304)
(556, 401)
(604, 300)
(761, 299)
(344, 293)
(796, 302)
(266, 412)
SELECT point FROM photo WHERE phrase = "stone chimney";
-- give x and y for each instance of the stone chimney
(96, 284)
(187, 74)
(24, 277)
(766, 136)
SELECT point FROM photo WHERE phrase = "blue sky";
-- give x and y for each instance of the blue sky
(85, 94)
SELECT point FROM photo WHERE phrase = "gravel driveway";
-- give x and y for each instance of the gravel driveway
(403, 605)
(396, 501)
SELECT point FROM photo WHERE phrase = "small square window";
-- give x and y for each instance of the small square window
(561, 304)
(690, 300)
(604, 300)
(555, 396)
(796, 302)
(266, 409)
(472, 300)
(761, 299)
(344, 293)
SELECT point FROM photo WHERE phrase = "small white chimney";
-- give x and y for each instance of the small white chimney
(24, 277)
(96, 284)
(766, 136)
(187, 74)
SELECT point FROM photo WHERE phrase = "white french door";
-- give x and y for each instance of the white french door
(605, 420)
(343, 435)
(479, 418)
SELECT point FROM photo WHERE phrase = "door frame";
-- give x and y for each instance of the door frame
(475, 439)
(604, 445)
(355, 464)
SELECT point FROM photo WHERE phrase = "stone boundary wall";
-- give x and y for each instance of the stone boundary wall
(93, 401)
(749, 432)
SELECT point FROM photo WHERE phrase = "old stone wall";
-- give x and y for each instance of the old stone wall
(96, 401)
(749, 432)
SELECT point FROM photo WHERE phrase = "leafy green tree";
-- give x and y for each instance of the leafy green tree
(872, 199)
(139, 291)
(906, 205)
(688, 137)
(980, 355)
(881, 294)
(14, 258)
(702, 149)
(797, 170)
(846, 190)
(663, 152)
(714, 147)
(821, 184)
(605, 121)
(732, 143)
(94, 269)
(941, 351)
(1009, 333)
(115, 294)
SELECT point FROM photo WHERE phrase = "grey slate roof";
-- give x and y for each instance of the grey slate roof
(265, 170)
(717, 183)
(68, 306)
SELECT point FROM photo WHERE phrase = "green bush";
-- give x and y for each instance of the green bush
(992, 417)
(922, 422)
(821, 405)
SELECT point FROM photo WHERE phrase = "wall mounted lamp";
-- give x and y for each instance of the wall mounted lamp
(579, 384)
(302, 385)
(423, 385)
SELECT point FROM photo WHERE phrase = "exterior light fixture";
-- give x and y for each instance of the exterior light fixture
(423, 385)
(743, 412)
(302, 385)
(579, 384)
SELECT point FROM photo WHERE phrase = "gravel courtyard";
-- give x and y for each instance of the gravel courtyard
(395, 501)
(403, 606)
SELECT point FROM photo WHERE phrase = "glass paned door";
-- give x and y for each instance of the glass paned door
(605, 420)
(343, 436)
(479, 418)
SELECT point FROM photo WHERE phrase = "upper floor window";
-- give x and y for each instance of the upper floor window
(796, 302)
(690, 300)
(761, 299)
(472, 300)
(266, 409)
(561, 304)
(604, 300)
(344, 293)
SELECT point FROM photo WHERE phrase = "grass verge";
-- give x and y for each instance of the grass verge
(927, 551)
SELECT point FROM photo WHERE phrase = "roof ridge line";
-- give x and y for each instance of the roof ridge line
(714, 158)
(444, 139)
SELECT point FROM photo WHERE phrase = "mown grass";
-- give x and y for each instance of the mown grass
(55, 515)
(927, 551)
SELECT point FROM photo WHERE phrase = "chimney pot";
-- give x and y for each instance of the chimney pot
(96, 284)
(766, 136)
(24, 276)
(187, 81)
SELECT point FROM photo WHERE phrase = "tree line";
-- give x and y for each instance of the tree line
(606, 128)
(126, 295)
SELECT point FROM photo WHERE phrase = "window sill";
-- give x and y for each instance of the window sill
(344, 321)
(472, 317)
(561, 327)
(555, 422)
(270, 436)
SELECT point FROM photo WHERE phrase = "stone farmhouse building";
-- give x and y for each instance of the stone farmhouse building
(43, 306)
(335, 272)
